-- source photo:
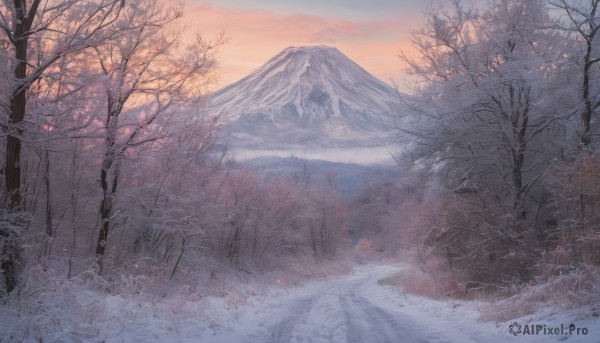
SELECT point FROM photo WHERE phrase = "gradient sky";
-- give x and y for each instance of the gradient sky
(372, 33)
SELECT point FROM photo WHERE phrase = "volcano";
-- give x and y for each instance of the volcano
(307, 96)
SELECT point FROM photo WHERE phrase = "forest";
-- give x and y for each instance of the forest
(115, 178)
(112, 164)
(503, 134)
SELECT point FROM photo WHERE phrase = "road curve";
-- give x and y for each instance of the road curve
(349, 309)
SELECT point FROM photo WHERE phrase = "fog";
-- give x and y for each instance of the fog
(365, 156)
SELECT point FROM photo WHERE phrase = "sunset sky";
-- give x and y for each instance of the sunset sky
(372, 33)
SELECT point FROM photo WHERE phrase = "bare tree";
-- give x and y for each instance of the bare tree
(482, 119)
(583, 17)
(60, 28)
(490, 109)
(145, 79)
(325, 220)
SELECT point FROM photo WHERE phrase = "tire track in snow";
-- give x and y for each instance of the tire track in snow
(284, 331)
(350, 309)
(369, 323)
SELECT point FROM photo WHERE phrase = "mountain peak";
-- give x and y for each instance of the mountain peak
(307, 94)
(322, 52)
(310, 49)
(296, 59)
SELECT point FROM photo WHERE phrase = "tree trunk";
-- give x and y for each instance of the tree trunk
(12, 168)
(49, 210)
(105, 212)
(586, 114)
(108, 194)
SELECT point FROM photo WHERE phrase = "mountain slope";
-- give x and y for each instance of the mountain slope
(305, 96)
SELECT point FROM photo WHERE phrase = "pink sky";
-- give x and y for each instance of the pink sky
(257, 34)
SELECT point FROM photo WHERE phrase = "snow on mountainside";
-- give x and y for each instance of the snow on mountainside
(307, 96)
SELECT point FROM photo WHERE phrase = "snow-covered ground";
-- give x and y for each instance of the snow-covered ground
(354, 308)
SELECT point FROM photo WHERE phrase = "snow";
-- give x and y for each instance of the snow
(359, 307)
(353, 308)
(311, 95)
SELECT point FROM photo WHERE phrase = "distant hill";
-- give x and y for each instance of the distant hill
(348, 179)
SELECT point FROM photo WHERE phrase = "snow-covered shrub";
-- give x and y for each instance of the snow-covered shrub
(578, 192)
(576, 289)
(415, 280)
(11, 235)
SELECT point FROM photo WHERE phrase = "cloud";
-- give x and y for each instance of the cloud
(356, 9)
(256, 35)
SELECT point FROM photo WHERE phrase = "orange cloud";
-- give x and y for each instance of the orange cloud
(257, 35)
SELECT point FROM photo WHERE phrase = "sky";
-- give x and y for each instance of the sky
(371, 33)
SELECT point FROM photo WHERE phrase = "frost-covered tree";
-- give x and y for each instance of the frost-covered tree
(583, 23)
(483, 114)
(147, 73)
(167, 196)
(35, 35)
(490, 104)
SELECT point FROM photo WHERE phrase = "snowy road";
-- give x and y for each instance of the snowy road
(341, 313)
(354, 308)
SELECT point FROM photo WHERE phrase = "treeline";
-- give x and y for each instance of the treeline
(502, 131)
(110, 158)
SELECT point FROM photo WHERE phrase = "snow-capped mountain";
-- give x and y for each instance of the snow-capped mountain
(307, 96)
